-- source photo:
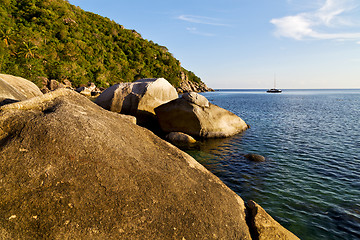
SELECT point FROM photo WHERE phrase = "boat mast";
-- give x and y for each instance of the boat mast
(274, 80)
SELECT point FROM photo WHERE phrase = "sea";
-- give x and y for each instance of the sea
(310, 181)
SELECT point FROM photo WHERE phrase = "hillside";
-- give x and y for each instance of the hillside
(57, 40)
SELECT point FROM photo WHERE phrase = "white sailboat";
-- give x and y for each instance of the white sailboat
(274, 90)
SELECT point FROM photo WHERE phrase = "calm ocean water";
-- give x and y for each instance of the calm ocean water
(310, 182)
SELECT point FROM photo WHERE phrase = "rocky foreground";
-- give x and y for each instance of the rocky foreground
(70, 169)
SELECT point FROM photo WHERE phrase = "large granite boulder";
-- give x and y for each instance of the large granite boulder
(194, 115)
(14, 89)
(72, 170)
(138, 98)
(264, 227)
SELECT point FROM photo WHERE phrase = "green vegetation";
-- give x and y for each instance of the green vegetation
(56, 40)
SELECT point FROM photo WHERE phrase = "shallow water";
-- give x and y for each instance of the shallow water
(310, 182)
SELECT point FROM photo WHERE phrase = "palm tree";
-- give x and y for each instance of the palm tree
(28, 50)
(6, 36)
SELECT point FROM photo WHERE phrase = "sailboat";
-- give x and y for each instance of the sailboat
(274, 90)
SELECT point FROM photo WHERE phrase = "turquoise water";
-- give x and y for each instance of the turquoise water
(310, 182)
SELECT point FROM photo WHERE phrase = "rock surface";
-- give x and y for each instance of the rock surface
(179, 138)
(89, 91)
(255, 157)
(52, 84)
(14, 89)
(197, 99)
(72, 170)
(138, 98)
(264, 227)
(184, 115)
(188, 86)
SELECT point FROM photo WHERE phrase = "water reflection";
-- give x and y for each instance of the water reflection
(225, 158)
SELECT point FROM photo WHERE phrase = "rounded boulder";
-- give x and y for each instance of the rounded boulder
(138, 98)
(196, 118)
(14, 89)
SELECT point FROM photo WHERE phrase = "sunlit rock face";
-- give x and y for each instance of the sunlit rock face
(13, 89)
(71, 170)
(194, 115)
(138, 98)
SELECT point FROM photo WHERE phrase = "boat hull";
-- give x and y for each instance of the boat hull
(274, 90)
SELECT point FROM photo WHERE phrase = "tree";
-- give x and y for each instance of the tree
(27, 50)
(6, 36)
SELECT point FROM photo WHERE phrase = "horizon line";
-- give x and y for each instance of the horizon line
(288, 88)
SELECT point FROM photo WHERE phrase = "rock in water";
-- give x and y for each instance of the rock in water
(179, 138)
(72, 170)
(264, 227)
(255, 157)
(138, 98)
(14, 89)
(192, 115)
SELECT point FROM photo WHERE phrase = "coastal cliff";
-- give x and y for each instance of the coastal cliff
(188, 86)
(194, 85)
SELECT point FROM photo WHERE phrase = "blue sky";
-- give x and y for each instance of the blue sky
(243, 43)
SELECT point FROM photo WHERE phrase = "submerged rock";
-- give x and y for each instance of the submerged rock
(264, 227)
(192, 115)
(72, 170)
(255, 157)
(13, 89)
(138, 98)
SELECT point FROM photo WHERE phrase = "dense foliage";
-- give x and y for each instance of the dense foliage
(54, 39)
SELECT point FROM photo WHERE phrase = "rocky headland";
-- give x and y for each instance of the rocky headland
(70, 169)
(188, 86)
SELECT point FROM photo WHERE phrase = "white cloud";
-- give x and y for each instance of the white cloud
(194, 30)
(319, 24)
(201, 20)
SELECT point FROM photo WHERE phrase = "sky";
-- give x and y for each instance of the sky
(243, 44)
